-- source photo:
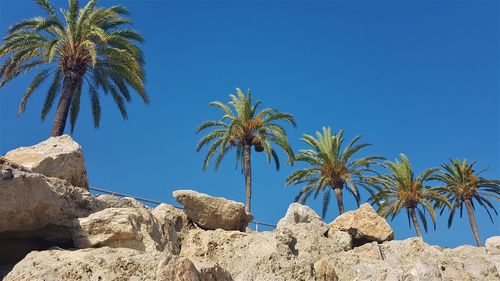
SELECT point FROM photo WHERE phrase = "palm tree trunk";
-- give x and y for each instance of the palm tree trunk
(472, 221)
(340, 199)
(69, 85)
(248, 175)
(414, 219)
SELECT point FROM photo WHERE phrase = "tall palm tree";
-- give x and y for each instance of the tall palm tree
(86, 44)
(330, 168)
(463, 186)
(242, 127)
(401, 189)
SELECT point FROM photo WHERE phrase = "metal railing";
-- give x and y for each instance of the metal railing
(254, 222)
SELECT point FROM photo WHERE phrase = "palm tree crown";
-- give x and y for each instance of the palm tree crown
(401, 189)
(87, 44)
(464, 186)
(331, 168)
(241, 127)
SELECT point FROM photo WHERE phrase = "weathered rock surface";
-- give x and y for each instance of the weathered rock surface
(412, 259)
(213, 212)
(493, 250)
(59, 157)
(299, 213)
(103, 264)
(493, 245)
(364, 225)
(174, 223)
(36, 211)
(134, 228)
(289, 253)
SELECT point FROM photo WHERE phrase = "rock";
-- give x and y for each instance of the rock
(169, 215)
(493, 250)
(324, 271)
(59, 157)
(213, 212)
(364, 225)
(36, 211)
(493, 245)
(110, 264)
(298, 213)
(214, 273)
(285, 254)
(110, 201)
(413, 259)
(181, 269)
(174, 224)
(341, 239)
(132, 228)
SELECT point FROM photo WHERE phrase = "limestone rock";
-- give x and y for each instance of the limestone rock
(285, 254)
(324, 271)
(364, 225)
(169, 215)
(413, 259)
(213, 212)
(110, 264)
(493, 245)
(178, 269)
(111, 201)
(36, 211)
(59, 157)
(493, 250)
(132, 228)
(299, 213)
(174, 224)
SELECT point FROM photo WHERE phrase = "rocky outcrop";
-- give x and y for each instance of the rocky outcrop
(493, 250)
(36, 211)
(134, 228)
(59, 157)
(122, 239)
(364, 225)
(174, 223)
(412, 259)
(298, 213)
(213, 212)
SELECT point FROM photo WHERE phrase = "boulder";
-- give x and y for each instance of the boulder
(284, 254)
(324, 271)
(493, 250)
(413, 259)
(36, 210)
(299, 213)
(174, 223)
(59, 157)
(364, 225)
(110, 264)
(134, 228)
(182, 269)
(213, 212)
(493, 245)
(111, 201)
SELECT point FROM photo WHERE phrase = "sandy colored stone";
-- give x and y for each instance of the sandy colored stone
(106, 264)
(59, 157)
(134, 228)
(299, 213)
(211, 213)
(324, 271)
(364, 225)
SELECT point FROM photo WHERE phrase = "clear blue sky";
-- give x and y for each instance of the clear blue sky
(419, 78)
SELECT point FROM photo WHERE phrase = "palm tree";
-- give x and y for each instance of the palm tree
(401, 189)
(242, 127)
(330, 168)
(87, 44)
(463, 186)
